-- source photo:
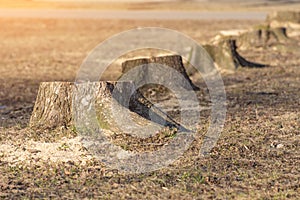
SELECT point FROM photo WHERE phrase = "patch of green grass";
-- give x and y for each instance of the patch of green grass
(193, 176)
(64, 147)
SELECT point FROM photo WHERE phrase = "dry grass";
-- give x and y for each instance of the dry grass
(257, 156)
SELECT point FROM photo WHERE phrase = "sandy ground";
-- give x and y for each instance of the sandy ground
(257, 156)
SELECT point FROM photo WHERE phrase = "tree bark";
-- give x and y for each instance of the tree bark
(55, 101)
(53, 105)
(62, 104)
(146, 71)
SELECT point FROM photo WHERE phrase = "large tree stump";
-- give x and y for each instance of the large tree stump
(147, 66)
(224, 54)
(57, 105)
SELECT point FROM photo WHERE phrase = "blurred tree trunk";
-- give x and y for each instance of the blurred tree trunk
(284, 16)
(262, 36)
(224, 54)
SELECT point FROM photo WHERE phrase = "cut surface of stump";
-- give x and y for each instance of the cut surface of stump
(148, 70)
(225, 55)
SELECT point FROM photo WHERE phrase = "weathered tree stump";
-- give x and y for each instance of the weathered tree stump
(62, 104)
(146, 71)
(288, 19)
(224, 54)
(284, 16)
(262, 36)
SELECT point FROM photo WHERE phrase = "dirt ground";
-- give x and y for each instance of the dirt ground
(256, 157)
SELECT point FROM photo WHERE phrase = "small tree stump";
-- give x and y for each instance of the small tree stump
(141, 76)
(285, 16)
(225, 55)
(262, 36)
(288, 19)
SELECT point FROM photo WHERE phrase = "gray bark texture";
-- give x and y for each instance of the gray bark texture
(54, 105)
(62, 104)
(149, 70)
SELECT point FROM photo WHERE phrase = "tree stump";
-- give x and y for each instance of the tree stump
(262, 36)
(57, 106)
(284, 16)
(224, 54)
(146, 71)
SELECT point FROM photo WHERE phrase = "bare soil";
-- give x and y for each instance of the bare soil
(257, 156)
